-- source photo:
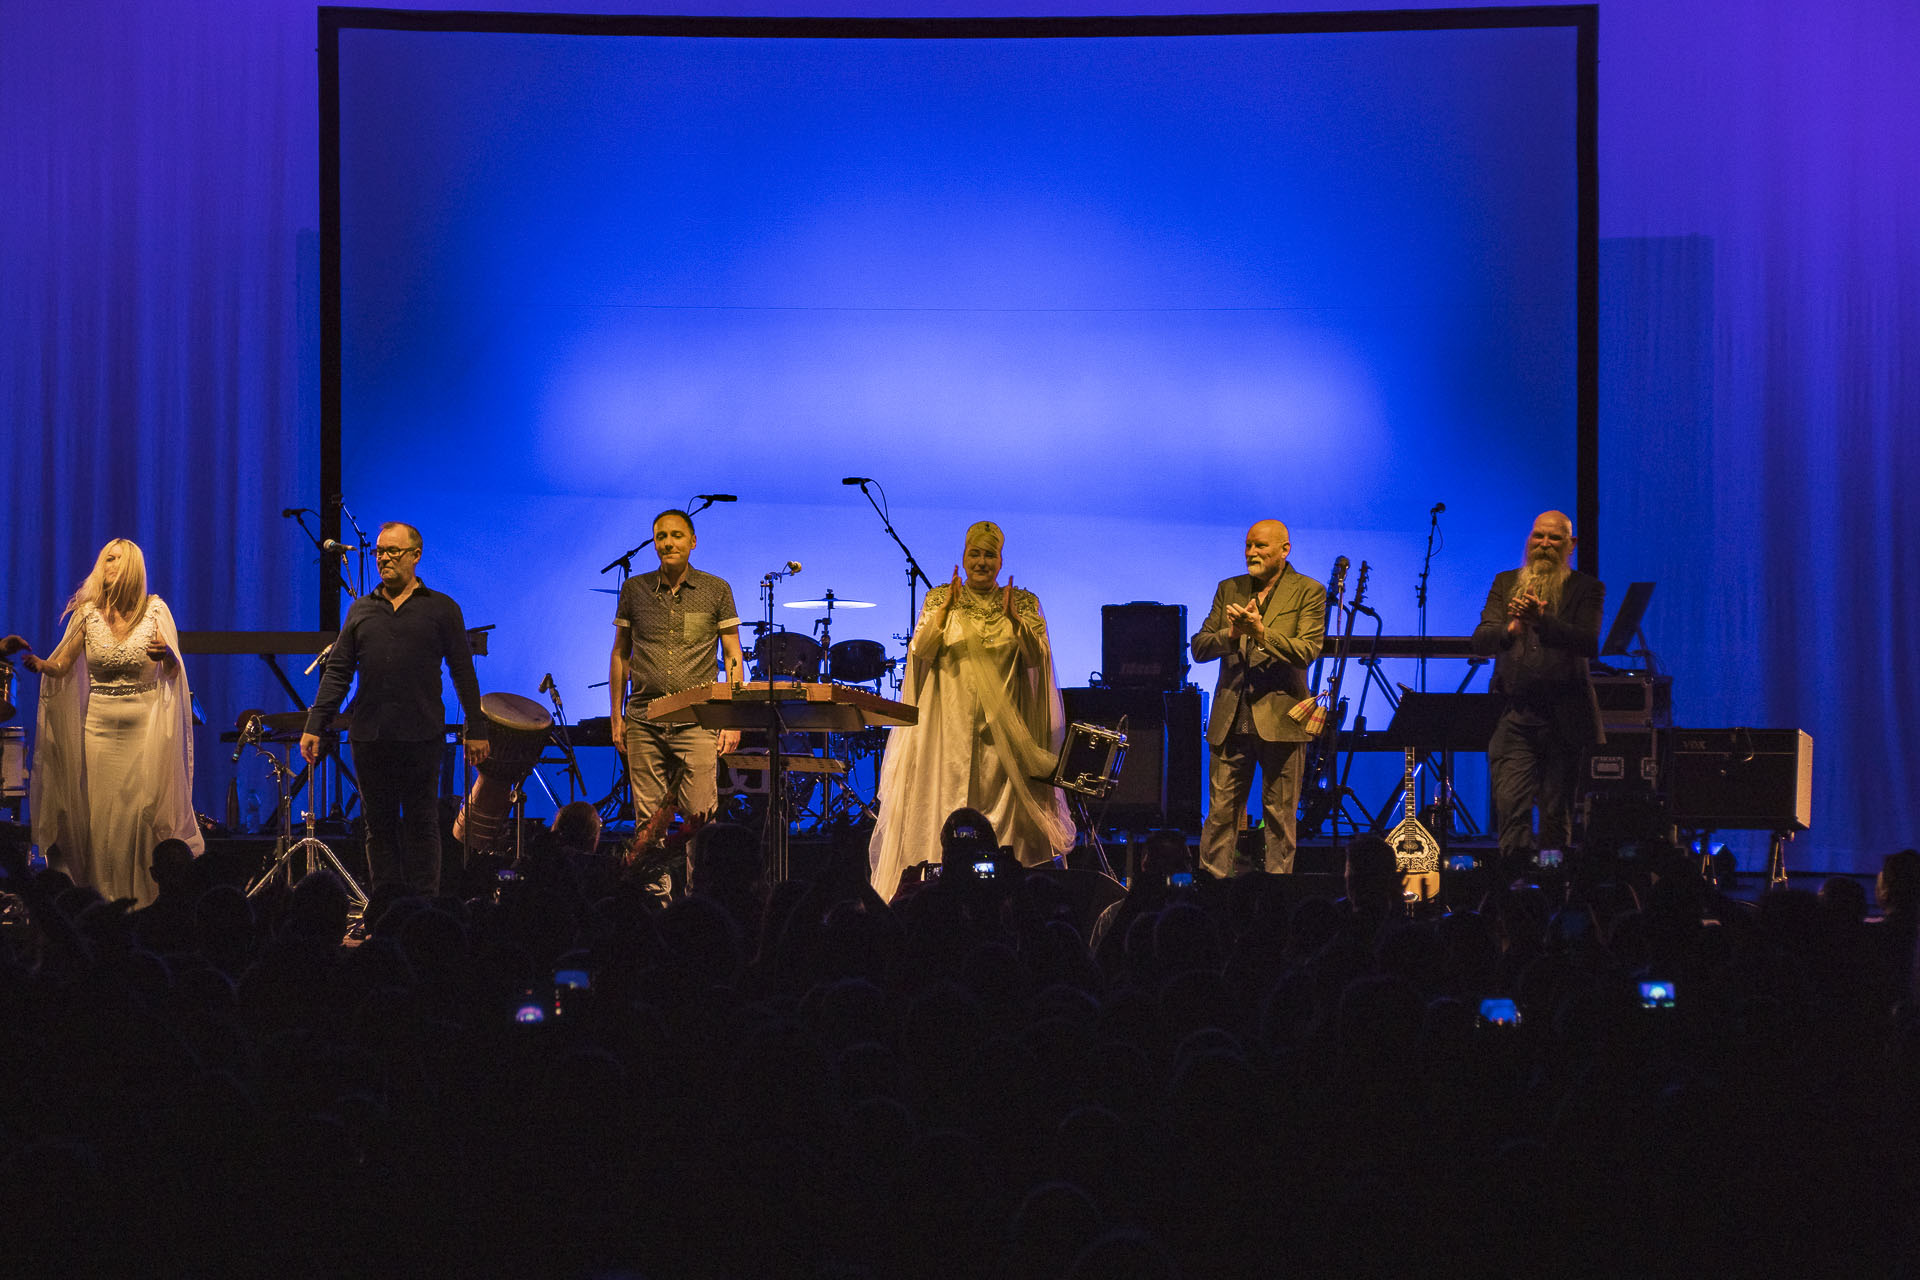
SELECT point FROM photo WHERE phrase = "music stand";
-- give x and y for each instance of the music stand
(1626, 627)
(1443, 722)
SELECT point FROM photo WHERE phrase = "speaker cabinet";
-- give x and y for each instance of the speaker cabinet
(1161, 783)
(1743, 779)
(1143, 645)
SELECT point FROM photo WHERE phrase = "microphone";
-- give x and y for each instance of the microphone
(856, 480)
(288, 513)
(715, 497)
(546, 683)
(793, 566)
(248, 725)
(319, 658)
(1438, 507)
(1341, 563)
(332, 544)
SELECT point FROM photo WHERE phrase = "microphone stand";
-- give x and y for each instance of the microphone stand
(339, 578)
(624, 562)
(1420, 593)
(915, 575)
(1420, 663)
(362, 545)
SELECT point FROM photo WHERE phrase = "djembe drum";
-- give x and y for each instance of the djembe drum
(517, 732)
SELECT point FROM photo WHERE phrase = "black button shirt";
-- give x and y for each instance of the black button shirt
(397, 653)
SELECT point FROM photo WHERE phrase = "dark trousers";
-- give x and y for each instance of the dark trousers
(1230, 783)
(1531, 765)
(400, 794)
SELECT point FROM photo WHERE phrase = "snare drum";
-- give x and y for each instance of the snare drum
(517, 732)
(857, 661)
(1090, 759)
(787, 655)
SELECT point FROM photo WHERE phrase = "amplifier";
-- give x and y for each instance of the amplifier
(1634, 702)
(1743, 779)
(1143, 645)
(1628, 760)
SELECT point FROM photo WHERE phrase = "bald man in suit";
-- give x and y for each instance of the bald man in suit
(1265, 628)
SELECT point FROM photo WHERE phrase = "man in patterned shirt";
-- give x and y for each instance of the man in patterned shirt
(663, 642)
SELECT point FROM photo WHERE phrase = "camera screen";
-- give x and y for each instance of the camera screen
(1549, 858)
(1499, 1011)
(1656, 995)
(983, 868)
(573, 979)
(1181, 879)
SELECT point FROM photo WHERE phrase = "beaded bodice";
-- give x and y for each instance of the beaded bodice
(117, 661)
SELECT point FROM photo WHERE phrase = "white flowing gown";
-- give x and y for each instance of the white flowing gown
(113, 757)
(990, 726)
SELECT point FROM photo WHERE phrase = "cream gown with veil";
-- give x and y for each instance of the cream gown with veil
(113, 756)
(989, 725)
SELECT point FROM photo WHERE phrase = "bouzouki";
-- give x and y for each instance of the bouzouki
(1416, 854)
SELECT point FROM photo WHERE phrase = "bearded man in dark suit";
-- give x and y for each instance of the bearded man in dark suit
(1541, 625)
(1266, 628)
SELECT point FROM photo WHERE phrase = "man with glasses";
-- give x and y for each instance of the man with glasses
(395, 638)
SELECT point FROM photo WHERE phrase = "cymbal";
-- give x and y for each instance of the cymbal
(296, 722)
(830, 601)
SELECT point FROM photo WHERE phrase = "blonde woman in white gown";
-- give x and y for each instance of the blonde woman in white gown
(980, 670)
(113, 756)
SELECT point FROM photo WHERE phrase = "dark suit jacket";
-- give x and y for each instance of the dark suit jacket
(1273, 675)
(1555, 684)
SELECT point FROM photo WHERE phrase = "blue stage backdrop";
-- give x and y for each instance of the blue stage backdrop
(1121, 295)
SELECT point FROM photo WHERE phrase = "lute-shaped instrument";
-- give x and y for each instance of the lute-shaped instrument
(1416, 854)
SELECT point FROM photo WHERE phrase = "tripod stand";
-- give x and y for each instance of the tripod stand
(313, 853)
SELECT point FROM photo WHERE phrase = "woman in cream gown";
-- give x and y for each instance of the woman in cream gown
(113, 754)
(981, 673)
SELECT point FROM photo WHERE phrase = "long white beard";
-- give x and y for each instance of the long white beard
(1542, 577)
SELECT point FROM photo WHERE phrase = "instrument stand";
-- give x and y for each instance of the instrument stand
(1777, 859)
(1446, 723)
(312, 851)
(558, 736)
(1090, 829)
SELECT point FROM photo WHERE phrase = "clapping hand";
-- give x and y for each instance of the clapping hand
(1525, 607)
(1245, 620)
(953, 593)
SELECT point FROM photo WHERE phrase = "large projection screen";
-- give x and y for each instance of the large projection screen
(1123, 286)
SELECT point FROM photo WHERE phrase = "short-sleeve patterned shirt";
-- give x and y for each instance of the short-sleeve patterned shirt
(673, 633)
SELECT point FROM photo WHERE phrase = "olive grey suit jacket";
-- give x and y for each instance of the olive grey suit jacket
(1272, 675)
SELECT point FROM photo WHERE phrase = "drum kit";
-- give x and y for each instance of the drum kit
(780, 654)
